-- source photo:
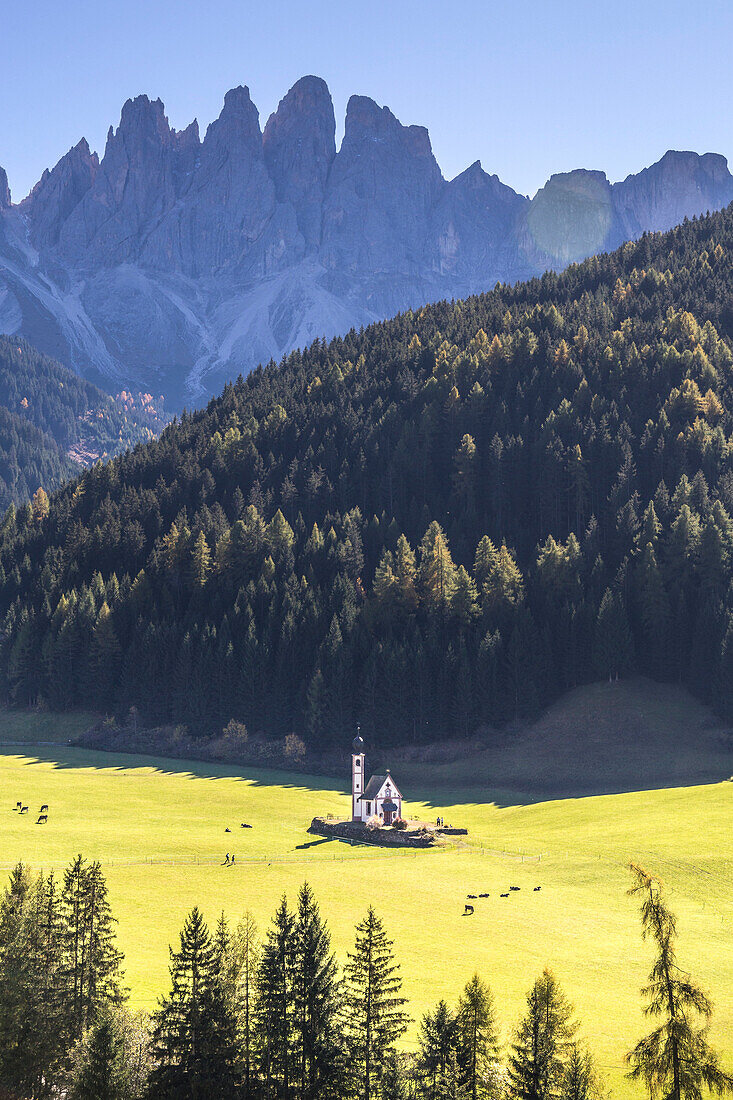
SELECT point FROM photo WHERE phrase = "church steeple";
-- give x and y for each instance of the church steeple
(357, 775)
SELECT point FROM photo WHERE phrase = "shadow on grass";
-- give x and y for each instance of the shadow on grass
(607, 750)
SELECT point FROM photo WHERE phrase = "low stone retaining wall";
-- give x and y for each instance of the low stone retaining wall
(385, 838)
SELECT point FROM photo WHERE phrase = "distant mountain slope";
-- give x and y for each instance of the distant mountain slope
(29, 458)
(444, 521)
(175, 262)
(52, 422)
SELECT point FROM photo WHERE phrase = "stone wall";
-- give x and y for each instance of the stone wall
(386, 838)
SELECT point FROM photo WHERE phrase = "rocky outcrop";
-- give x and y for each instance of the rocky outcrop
(357, 833)
(175, 262)
(145, 168)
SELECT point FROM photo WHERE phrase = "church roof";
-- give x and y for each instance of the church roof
(375, 785)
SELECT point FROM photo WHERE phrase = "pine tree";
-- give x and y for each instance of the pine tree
(542, 1043)
(675, 1060)
(613, 643)
(398, 1078)
(477, 1037)
(373, 1003)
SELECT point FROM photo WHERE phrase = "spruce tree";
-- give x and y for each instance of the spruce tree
(91, 961)
(317, 993)
(477, 1038)
(373, 1003)
(275, 1006)
(675, 1060)
(438, 1036)
(542, 1043)
(194, 1028)
(247, 951)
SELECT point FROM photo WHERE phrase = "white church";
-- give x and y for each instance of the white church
(380, 796)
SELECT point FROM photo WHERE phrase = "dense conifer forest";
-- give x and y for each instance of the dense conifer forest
(52, 422)
(443, 521)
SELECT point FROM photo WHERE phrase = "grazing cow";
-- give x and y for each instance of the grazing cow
(515, 887)
(227, 830)
(537, 888)
(43, 818)
(245, 826)
(468, 911)
(24, 809)
(503, 895)
(472, 896)
(44, 808)
(483, 895)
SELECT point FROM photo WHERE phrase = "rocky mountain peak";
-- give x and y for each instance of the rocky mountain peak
(382, 187)
(143, 117)
(238, 125)
(178, 262)
(681, 184)
(59, 191)
(299, 145)
(367, 121)
(569, 218)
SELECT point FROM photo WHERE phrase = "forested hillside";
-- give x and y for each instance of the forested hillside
(445, 520)
(52, 422)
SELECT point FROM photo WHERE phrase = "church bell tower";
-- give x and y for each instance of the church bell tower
(357, 777)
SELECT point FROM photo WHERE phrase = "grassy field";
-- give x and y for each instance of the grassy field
(158, 826)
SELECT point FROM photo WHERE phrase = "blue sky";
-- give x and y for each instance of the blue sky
(529, 87)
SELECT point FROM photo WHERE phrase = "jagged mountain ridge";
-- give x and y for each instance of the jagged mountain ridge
(176, 261)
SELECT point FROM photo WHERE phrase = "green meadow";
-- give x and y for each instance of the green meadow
(158, 827)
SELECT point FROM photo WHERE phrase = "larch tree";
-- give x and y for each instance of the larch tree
(675, 1060)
